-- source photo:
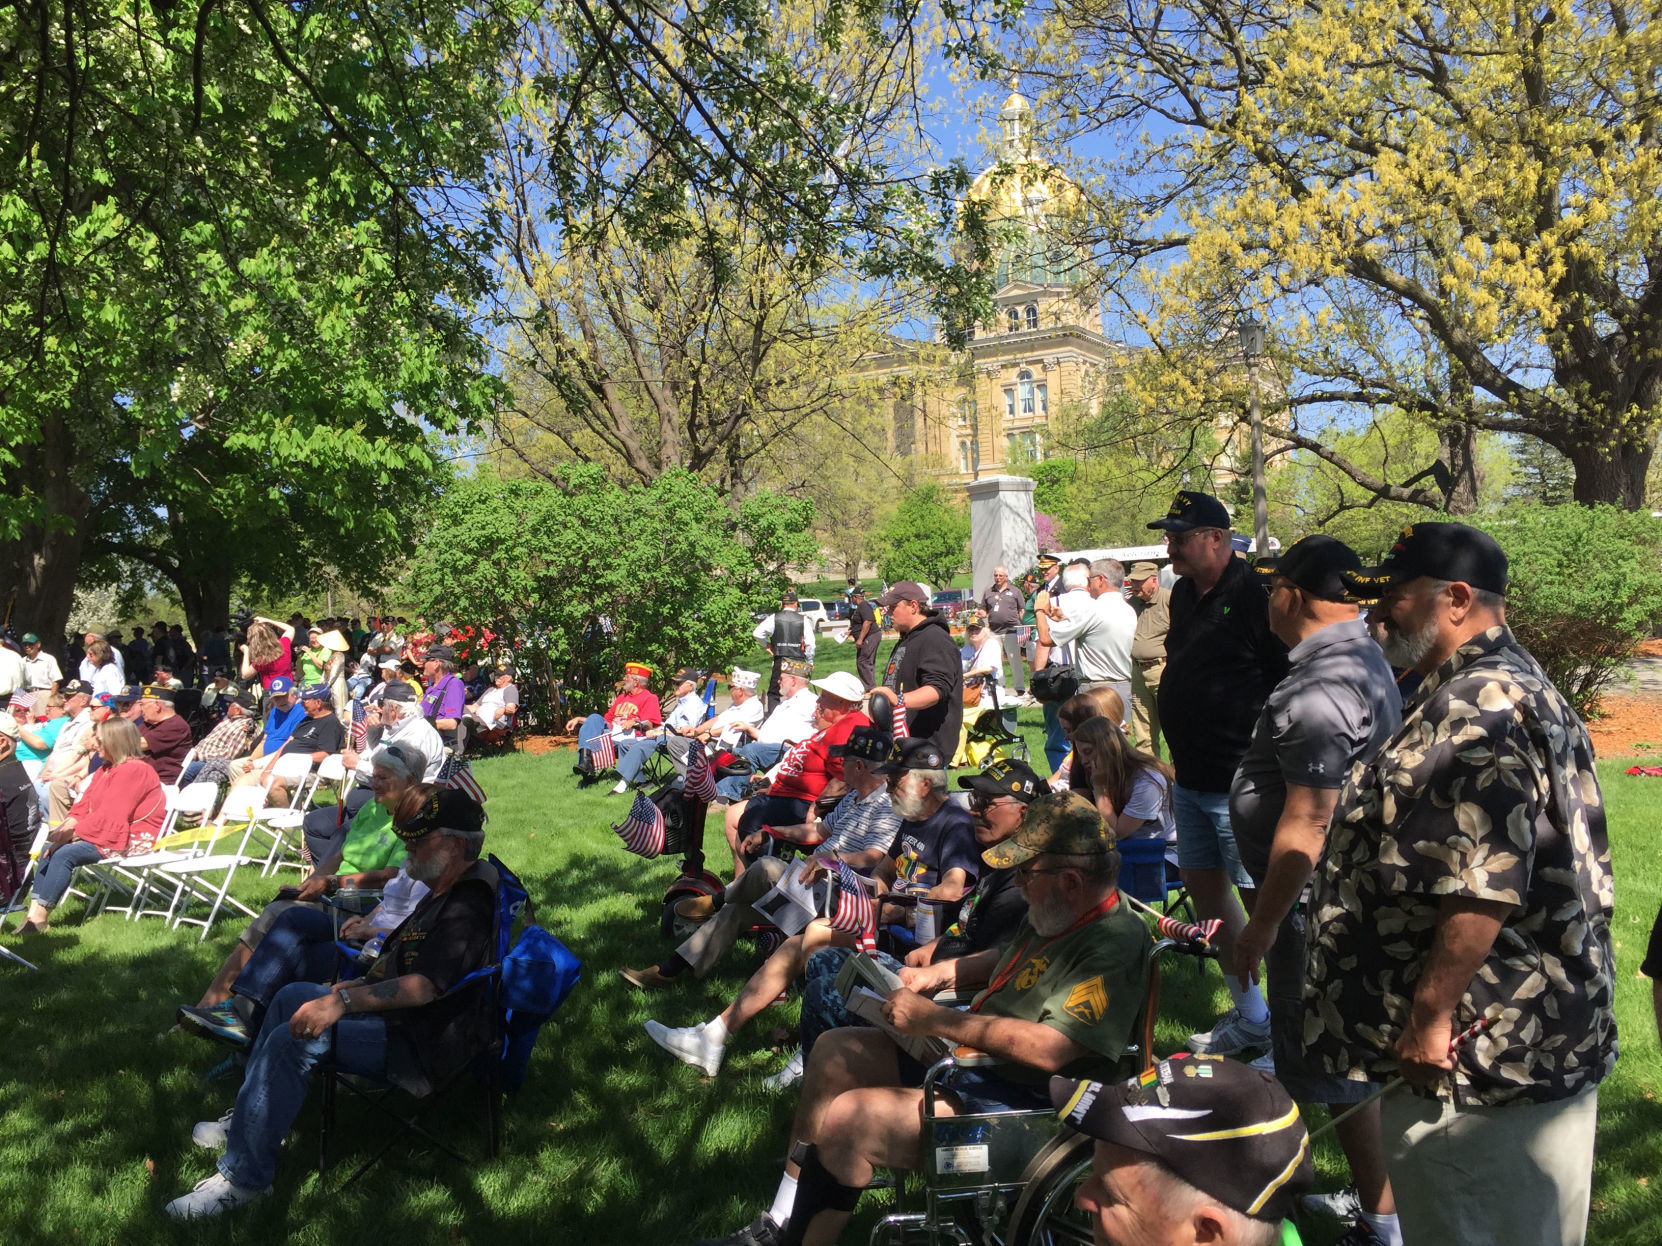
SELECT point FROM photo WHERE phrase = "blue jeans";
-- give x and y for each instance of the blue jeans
(53, 879)
(279, 1070)
(1056, 744)
(762, 756)
(299, 947)
(1205, 839)
(823, 1008)
(592, 728)
(634, 757)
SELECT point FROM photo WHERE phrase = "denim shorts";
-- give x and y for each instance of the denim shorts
(1205, 840)
(979, 1092)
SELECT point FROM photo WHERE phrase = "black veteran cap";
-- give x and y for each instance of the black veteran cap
(1443, 551)
(917, 752)
(1007, 778)
(1223, 1127)
(1064, 823)
(445, 810)
(158, 692)
(398, 690)
(1191, 510)
(870, 744)
(1317, 564)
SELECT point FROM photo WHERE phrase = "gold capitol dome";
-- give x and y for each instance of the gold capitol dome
(1023, 187)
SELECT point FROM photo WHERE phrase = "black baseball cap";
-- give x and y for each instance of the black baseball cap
(1191, 510)
(439, 653)
(1222, 1126)
(130, 692)
(905, 590)
(686, 675)
(446, 809)
(869, 744)
(1443, 551)
(917, 752)
(156, 692)
(1317, 564)
(1007, 778)
(398, 690)
(77, 688)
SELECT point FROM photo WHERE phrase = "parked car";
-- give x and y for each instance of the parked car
(813, 609)
(952, 602)
(837, 611)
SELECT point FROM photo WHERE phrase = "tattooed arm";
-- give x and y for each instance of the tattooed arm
(314, 1017)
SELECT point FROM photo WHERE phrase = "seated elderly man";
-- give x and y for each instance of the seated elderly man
(165, 734)
(397, 1020)
(937, 854)
(498, 704)
(67, 754)
(634, 707)
(317, 735)
(283, 714)
(859, 831)
(805, 773)
(228, 741)
(445, 697)
(734, 725)
(679, 724)
(162, 676)
(219, 692)
(1199, 1149)
(396, 720)
(1062, 996)
(791, 722)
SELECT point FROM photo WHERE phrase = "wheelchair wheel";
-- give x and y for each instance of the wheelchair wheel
(1045, 1214)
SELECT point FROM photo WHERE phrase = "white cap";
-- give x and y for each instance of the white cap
(841, 684)
(744, 679)
(8, 726)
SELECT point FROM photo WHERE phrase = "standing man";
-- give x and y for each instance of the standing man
(924, 670)
(1148, 652)
(40, 669)
(1467, 877)
(1099, 629)
(867, 636)
(14, 672)
(1338, 705)
(788, 637)
(1004, 602)
(1050, 567)
(1221, 662)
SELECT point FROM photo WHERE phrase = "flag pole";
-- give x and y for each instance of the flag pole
(1396, 1083)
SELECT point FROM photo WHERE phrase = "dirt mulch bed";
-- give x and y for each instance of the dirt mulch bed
(1651, 648)
(1628, 726)
(537, 745)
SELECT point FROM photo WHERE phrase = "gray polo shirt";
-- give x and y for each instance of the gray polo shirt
(1337, 705)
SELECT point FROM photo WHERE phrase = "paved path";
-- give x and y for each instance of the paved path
(1645, 678)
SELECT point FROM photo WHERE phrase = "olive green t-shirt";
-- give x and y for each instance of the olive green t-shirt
(1088, 984)
(370, 843)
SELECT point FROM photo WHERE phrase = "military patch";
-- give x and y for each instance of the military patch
(1088, 1001)
(1031, 972)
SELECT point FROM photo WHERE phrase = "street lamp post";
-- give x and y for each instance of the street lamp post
(1251, 333)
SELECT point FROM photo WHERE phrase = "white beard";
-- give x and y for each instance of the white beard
(909, 805)
(1049, 917)
(1404, 649)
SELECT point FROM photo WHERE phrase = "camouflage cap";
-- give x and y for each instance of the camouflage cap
(797, 667)
(1061, 823)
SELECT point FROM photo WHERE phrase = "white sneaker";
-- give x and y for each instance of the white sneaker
(1232, 1034)
(786, 1077)
(1343, 1205)
(621, 788)
(212, 1196)
(212, 1135)
(689, 1044)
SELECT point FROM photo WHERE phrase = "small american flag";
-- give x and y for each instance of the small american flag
(854, 912)
(900, 732)
(463, 781)
(643, 829)
(604, 752)
(1184, 932)
(701, 781)
(360, 726)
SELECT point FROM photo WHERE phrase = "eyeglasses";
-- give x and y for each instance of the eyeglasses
(1026, 872)
(980, 801)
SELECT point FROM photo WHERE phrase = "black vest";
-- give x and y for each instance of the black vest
(787, 635)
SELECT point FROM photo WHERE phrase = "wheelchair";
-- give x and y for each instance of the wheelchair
(1008, 1178)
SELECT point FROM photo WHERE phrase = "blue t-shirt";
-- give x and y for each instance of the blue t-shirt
(942, 842)
(280, 725)
(49, 731)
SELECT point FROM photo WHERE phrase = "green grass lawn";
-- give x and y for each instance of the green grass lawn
(611, 1140)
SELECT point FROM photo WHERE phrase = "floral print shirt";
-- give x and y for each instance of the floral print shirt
(1487, 791)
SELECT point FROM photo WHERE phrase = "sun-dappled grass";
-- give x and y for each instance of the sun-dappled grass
(611, 1140)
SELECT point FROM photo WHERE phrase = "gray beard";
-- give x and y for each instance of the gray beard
(908, 805)
(1406, 649)
(423, 871)
(1049, 917)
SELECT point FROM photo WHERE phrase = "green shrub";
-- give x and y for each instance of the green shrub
(927, 538)
(1586, 589)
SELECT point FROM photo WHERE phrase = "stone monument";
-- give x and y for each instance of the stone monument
(1002, 532)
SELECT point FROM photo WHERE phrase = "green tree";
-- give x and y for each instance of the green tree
(1586, 588)
(927, 538)
(585, 573)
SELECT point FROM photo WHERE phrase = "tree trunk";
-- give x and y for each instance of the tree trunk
(1612, 471)
(40, 567)
(1457, 472)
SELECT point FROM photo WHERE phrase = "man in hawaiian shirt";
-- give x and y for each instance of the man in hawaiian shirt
(1467, 878)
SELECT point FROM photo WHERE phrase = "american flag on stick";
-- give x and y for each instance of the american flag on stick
(1185, 932)
(900, 732)
(701, 780)
(643, 830)
(854, 912)
(604, 752)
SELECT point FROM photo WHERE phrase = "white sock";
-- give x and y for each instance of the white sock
(716, 1031)
(1250, 1001)
(1385, 1227)
(785, 1199)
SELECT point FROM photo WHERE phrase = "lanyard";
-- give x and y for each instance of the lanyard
(1021, 957)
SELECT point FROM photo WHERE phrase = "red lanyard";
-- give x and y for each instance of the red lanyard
(1021, 957)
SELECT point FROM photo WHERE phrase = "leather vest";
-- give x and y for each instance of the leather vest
(787, 635)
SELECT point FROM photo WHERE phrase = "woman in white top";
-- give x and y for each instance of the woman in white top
(106, 675)
(1130, 788)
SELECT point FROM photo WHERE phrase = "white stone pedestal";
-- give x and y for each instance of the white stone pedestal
(1001, 528)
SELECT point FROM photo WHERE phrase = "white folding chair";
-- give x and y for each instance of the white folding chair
(16, 902)
(283, 822)
(208, 877)
(33, 769)
(198, 799)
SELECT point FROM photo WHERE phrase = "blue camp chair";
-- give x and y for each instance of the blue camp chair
(528, 979)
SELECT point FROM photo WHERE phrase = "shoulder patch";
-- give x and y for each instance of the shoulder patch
(1088, 1001)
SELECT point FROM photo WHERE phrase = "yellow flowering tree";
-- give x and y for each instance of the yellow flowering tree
(1452, 211)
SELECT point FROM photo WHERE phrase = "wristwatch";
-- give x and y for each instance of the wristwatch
(345, 1004)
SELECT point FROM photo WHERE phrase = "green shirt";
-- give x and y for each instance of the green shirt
(370, 843)
(1089, 984)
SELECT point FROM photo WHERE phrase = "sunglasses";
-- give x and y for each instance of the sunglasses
(985, 800)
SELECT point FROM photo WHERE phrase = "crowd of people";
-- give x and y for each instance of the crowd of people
(1370, 791)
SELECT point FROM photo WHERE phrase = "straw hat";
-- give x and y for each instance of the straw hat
(334, 640)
